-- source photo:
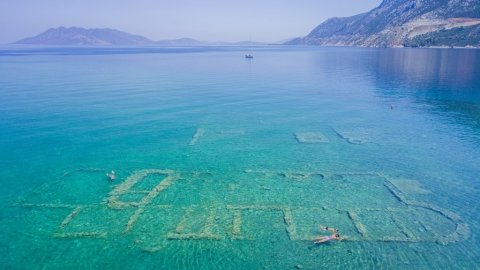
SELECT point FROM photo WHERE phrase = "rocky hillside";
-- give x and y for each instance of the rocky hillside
(457, 37)
(82, 36)
(402, 23)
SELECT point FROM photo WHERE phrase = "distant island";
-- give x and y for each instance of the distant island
(78, 36)
(408, 23)
(82, 36)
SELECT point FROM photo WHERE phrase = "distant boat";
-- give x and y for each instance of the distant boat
(249, 54)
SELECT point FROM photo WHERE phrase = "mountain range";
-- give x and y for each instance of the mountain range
(395, 23)
(398, 23)
(78, 36)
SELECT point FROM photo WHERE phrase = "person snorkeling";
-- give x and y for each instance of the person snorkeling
(323, 239)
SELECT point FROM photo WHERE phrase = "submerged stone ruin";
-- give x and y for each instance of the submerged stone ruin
(198, 134)
(355, 136)
(156, 206)
(310, 137)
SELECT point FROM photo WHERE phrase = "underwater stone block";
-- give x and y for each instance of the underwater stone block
(237, 225)
(80, 235)
(153, 249)
(49, 205)
(113, 198)
(290, 224)
(409, 186)
(353, 136)
(358, 224)
(133, 219)
(233, 132)
(299, 176)
(70, 217)
(310, 137)
(199, 133)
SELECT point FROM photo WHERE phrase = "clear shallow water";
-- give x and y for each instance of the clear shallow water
(227, 163)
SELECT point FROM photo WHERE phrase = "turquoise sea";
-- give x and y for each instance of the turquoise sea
(227, 163)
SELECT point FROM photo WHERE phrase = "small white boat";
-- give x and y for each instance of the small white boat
(248, 56)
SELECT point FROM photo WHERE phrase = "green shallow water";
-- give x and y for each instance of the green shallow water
(226, 163)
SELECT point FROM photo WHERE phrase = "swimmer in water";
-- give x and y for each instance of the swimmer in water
(111, 176)
(323, 239)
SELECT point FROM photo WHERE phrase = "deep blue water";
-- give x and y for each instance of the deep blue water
(234, 163)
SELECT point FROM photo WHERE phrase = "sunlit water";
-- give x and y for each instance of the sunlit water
(227, 163)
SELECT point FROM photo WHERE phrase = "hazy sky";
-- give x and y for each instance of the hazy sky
(208, 20)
